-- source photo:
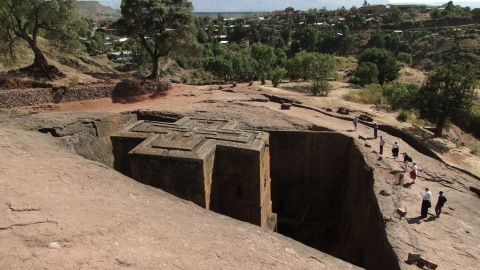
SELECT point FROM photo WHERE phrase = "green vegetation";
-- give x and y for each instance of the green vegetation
(449, 91)
(401, 96)
(385, 62)
(26, 20)
(161, 26)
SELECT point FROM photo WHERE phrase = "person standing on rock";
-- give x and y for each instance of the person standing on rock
(441, 201)
(395, 150)
(382, 143)
(414, 172)
(355, 122)
(406, 160)
(375, 129)
(426, 203)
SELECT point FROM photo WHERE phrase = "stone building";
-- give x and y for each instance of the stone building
(209, 162)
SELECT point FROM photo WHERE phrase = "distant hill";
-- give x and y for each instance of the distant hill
(97, 11)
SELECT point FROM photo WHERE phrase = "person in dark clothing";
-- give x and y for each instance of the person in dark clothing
(441, 201)
(425, 202)
(406, 160)
(395, 150)
(375, 128)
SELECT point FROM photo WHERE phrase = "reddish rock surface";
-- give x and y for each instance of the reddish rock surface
(60, 210)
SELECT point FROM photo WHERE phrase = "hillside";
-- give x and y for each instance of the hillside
(97, 11)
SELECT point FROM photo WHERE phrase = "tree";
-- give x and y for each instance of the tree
(386, 63)
(400, 95)
(277, 76)
(28, 19)
(264, 56)
(160, 25)
(405, 58)
(316, 67)
(449, 91)
(366, 73)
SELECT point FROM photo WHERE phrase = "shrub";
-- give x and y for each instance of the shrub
(405, 58)
(404, 115)
(321, 87)
(277, 76)
(400, 95)
(73, 80)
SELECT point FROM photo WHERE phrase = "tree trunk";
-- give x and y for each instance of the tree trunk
(155, 68)
(40, 62)
(439, 125)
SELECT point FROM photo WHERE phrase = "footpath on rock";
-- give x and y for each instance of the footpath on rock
(61, 208)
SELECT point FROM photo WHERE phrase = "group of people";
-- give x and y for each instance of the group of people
(426, 198)
(395, 150)
(426, 203)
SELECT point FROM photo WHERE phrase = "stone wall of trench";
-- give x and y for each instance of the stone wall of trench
(322, 193)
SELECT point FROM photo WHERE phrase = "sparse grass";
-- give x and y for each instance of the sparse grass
(346, 63)
(370, 94)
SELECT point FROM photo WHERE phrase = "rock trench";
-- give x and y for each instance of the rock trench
(321, 187)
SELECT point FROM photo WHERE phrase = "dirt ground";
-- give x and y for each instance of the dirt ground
(450, 241)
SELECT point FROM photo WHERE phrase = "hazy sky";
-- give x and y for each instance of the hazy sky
(270, 5)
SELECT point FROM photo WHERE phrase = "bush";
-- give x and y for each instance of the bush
(400, 95)
(73, 80)
(181, 61)
(321, 87)
(404, 115)
(353, 96)
(474, 150)
(277, 76)
(405, 58)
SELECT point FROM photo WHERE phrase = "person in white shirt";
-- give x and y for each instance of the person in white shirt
(426, 202)
(382, 143)
(414, 172)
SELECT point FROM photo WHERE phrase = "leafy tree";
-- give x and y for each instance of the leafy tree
(394, 17)
(264, 56)
(26, 20)
(400, 95)
(366, 73)
(387, 65)
(315, 67)
(308, 38)
(377, 39)
(277, 75)
(449, 91)
(160, 25)
(392, 42)
(219, 66)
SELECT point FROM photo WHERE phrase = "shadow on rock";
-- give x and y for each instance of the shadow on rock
(415, 220)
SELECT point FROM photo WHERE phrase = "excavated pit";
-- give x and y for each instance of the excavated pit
(322, 193)
(321, 190)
